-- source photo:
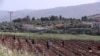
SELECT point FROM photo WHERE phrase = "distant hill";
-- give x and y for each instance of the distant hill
(95, 17)
(70, 11)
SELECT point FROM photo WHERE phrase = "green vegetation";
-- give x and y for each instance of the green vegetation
(53, 36)
(51, 24)
(6, 52)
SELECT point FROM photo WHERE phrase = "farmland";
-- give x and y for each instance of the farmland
(51, 44)
(28, 33)
(53, 36)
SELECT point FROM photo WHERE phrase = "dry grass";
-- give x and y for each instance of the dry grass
(6, 52)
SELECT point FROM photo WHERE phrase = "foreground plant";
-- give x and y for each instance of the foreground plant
(6, 52)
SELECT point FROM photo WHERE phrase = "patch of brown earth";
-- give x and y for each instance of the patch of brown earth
(54, 47)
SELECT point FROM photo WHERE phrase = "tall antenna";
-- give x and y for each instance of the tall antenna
(10, 14)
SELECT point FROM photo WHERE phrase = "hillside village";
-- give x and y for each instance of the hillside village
(54, 24)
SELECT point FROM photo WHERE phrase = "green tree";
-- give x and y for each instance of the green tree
(27, 18)
(84, 18)
(17, 20)
(53, 18)
(33, 18)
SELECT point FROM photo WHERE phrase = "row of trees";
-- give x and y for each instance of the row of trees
(51, 18)
(25, 19)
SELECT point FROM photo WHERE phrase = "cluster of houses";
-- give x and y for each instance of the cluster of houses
(94, 25)
(94, 28)
(29, 27)
(32, 28)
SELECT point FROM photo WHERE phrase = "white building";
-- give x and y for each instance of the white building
(96, 25)
(30, 27)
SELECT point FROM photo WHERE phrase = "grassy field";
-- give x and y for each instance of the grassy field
(53, 36)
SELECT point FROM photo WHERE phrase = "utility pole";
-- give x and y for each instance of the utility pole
(10, 13)
(10, 18)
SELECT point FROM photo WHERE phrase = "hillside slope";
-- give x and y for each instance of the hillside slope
(70, 11)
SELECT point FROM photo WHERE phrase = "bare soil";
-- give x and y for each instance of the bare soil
(52, 47)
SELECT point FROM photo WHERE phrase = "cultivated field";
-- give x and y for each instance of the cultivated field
(49, 44)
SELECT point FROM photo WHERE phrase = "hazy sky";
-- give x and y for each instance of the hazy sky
(39, 4)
